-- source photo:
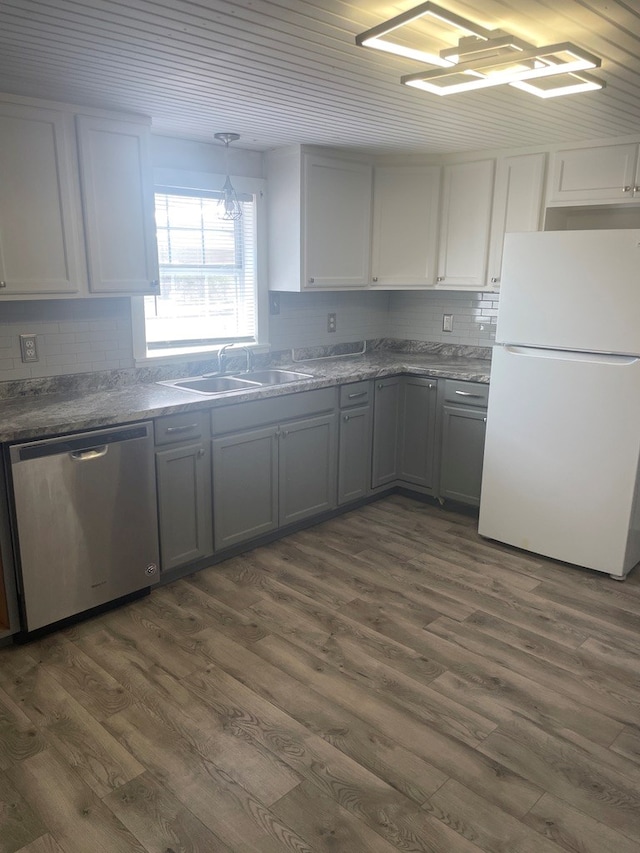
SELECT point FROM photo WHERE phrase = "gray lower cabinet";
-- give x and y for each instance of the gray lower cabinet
(274, 475)
(183, 472)
(464, 417)
(418, 411)
(354, 447)
(307, 468)
(245, 485)
(386, 407)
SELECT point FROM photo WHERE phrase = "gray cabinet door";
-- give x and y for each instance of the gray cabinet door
(184, 504)
(463, 431)
(308, 467)
(245, 486)
(354, 454)
(386, 403)
(418, 407)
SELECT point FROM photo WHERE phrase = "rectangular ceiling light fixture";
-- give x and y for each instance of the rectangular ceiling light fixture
(482, 58)
(375, 36)
(522, 65)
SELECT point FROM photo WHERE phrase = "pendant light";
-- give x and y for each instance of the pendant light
(229, 200)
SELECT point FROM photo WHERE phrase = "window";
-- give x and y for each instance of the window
(208, 294)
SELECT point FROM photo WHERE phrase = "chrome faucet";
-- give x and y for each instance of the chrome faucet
(222, 357)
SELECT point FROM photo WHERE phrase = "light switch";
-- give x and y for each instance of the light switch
(447, 322)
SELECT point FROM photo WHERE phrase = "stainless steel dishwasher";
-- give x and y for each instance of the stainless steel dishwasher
(85, 520)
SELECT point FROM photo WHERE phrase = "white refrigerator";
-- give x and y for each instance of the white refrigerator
(560, 474)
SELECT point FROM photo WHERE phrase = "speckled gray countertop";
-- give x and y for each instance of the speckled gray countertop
(35, 416)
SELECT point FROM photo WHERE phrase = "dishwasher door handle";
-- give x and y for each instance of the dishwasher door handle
(91, 453)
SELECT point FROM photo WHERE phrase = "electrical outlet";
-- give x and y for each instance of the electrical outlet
(331, 322)
(447, 322)
(29, 348)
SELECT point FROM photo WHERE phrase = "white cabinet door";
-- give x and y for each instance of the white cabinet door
(117, 195)
(517, 204)
(336, 222)
(41, 251)
(405, 226)
(603, 173)
(467, 196)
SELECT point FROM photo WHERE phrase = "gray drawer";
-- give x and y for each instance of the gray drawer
(355, 394)
(466, 393)
(272, 410)
(182, 427)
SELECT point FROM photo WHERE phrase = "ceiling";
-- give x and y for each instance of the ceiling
(288, 71)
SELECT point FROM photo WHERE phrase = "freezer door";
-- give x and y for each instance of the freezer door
(561, 457)
(573, 290)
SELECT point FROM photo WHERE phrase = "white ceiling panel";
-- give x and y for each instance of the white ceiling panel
(289, 71)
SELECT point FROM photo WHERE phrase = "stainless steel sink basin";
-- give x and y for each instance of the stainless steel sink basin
(216, 384)
(212, 384)
(274, 376)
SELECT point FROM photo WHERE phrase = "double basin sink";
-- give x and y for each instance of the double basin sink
(221, 384)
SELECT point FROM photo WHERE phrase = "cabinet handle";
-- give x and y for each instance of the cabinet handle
(495, 280)
(380, 386)
(375, 278)
(636, 189)
(431, 386)
(469, 394)
(626, 189)
(284, 433)
(200, 453)
(485, 420)
(3, 283)
(181, 428)
(440, 278)
(345, 417)
(358, 394)
(154, 284)
(311, 279)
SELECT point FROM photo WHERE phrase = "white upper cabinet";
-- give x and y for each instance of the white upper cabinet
(405, 226)
(117, 197)
(76, 196)
(319, 221)
(606, 173)
(517, 204)
(41, 251)
(467, 198)
(336, 222)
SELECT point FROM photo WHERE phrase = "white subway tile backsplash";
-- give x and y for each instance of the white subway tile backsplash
(86, 335)
(418, 316)
(67, 331)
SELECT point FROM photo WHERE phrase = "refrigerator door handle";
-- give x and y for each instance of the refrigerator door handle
(571, 355)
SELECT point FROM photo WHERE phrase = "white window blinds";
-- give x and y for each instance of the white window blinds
(207, 272)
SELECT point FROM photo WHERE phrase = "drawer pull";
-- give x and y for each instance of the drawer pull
(470, 394)
(358, 394)
(181, 428)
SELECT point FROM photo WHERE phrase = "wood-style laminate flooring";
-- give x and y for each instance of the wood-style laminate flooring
(384, 681)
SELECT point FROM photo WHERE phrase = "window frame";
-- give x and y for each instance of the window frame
(171, 179)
